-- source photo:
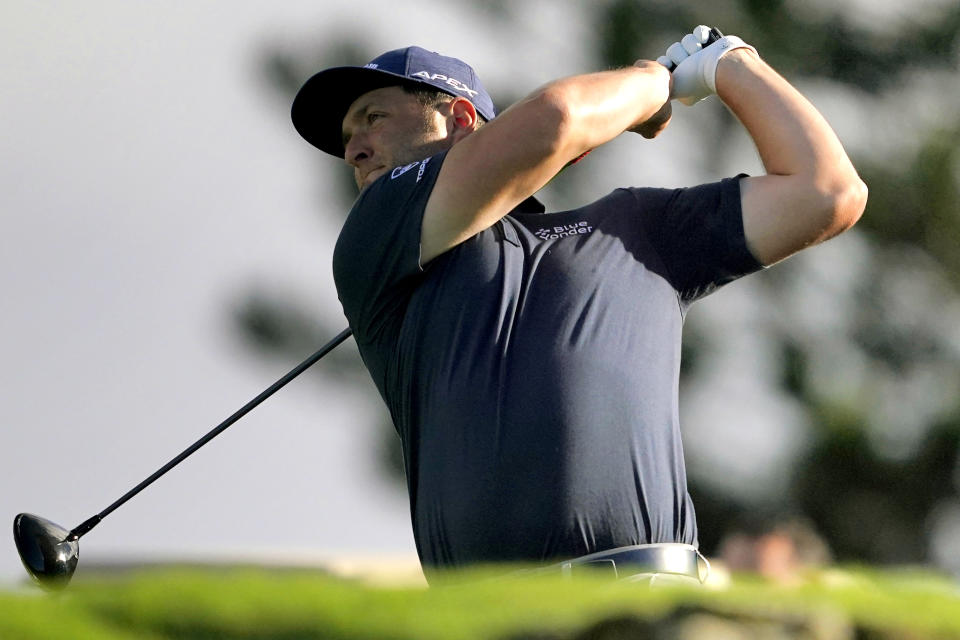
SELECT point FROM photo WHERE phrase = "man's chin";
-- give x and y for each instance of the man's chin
(371, 177)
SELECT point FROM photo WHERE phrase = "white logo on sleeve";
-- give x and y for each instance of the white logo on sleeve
(581, 228)
(399, 171)
(423, 166)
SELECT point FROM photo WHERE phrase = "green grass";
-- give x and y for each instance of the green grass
(281, 605)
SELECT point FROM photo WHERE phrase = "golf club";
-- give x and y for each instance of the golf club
(50, 553)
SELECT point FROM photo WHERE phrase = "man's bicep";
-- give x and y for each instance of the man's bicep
(781, 216)
(698, 233)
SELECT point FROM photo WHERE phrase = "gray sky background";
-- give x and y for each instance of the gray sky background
(146, 179)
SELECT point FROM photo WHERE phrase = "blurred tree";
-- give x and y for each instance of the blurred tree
(281, 324)
(883, 424)
(866, 343)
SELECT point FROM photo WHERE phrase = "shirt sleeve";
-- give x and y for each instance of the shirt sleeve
(698, 232)
(376, 261)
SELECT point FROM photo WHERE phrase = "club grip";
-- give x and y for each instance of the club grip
(712, 37)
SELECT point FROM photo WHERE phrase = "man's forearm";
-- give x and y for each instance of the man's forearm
(600, 106)
(811, 191)
(790, 134)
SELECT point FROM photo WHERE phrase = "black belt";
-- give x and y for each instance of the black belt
(669, 558)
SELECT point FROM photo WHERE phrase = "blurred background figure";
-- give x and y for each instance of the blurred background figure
(780, 551)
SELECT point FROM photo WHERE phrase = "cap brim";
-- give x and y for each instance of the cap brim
(322, 102)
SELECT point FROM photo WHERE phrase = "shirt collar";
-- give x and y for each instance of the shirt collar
(530, 205)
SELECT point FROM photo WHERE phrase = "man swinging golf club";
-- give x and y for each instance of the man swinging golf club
(530, 360)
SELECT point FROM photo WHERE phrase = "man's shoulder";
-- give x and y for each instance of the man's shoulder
(615, 200)
(384, 221)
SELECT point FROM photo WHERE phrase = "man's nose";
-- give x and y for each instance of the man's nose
(356, 149)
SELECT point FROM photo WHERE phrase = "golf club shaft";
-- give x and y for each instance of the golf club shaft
(90, 523)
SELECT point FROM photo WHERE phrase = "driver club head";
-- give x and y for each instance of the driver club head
(50, 553)
(46, 549)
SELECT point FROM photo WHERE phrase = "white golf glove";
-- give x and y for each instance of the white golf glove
(693, 63)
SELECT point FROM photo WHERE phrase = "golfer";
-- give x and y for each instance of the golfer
(530, 360)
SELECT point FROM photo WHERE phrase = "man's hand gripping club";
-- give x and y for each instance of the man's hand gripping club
(693, 63)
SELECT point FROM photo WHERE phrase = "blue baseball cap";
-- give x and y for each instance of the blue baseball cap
(322, 102)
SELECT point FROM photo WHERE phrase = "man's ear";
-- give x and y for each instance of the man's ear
(463, 117)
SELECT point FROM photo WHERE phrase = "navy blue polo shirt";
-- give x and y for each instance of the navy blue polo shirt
(532, 371)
